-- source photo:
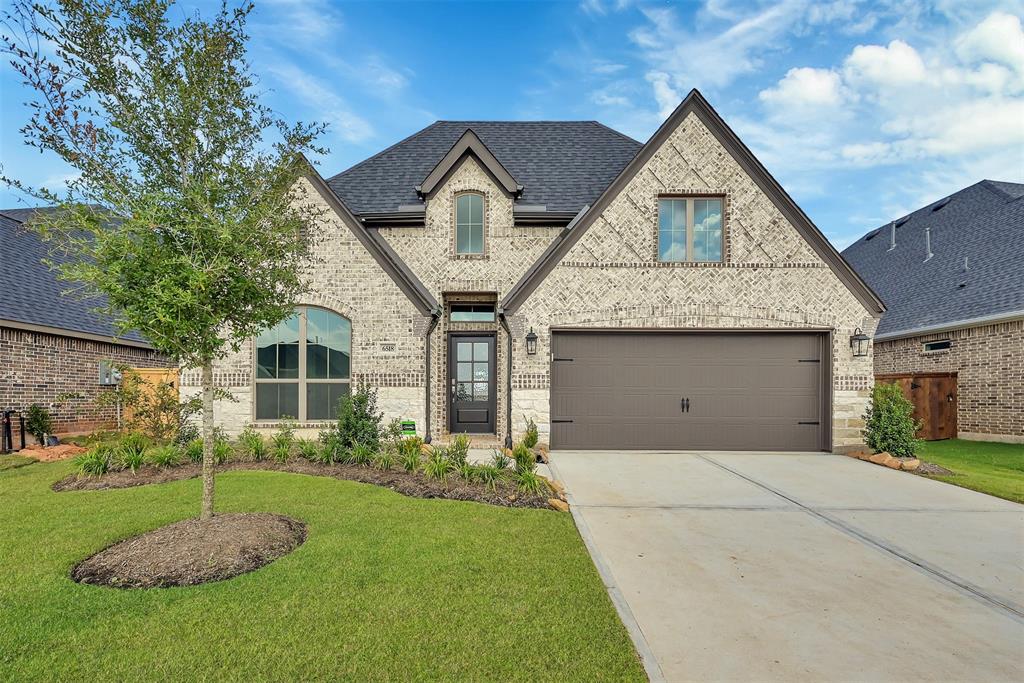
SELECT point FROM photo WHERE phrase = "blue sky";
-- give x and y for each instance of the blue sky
(862, 110)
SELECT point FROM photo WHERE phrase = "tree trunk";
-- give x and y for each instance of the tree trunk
(207, 384)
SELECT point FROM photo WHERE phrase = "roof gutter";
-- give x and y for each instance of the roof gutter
(951, 326)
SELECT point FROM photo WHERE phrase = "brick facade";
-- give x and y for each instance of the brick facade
(989, 362)
(36, 367)
(771, 278)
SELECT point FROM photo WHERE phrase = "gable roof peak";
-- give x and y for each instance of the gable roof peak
(469, 144)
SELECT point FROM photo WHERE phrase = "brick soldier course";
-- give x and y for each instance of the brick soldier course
(775, 274)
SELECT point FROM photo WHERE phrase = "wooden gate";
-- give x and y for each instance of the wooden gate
(151, 377)
(934, 395)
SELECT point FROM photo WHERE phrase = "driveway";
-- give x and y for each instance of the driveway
(771, 566)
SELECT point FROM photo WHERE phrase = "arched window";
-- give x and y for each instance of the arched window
(303, 366)
(469, 224)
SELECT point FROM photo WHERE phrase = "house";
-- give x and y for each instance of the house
(952, 276)
(666, 295)
(53, 344)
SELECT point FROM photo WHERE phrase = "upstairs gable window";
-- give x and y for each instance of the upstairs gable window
(690, 230)
(469, 224)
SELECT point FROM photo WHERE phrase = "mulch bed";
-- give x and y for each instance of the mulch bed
(193, 551)
(400, 481)
(50, 453)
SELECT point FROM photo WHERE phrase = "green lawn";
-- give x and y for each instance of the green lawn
(385, 588)
(993, 468)
(9, 462)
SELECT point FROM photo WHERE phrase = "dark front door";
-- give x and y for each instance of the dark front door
(471, 384)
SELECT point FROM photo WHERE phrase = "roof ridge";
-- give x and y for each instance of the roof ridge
(384, 151)
(617, 132)
(992, 185)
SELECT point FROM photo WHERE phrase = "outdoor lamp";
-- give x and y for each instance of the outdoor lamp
(859, 343)
(531, 343)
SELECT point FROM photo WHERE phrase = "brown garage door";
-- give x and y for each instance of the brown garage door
(683, 391)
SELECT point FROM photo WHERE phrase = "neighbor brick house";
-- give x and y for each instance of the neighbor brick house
(51, 343)
(952, 276)
(622, 295)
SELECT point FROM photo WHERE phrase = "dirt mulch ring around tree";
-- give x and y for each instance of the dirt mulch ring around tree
(193, 551)
(400, 481)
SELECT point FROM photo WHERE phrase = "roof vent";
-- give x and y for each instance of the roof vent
(941, 203)
(871, 235)
(892, 236)
(900, 223)
(928, 244)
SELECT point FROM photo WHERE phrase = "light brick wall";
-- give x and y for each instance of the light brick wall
(989, 362)
(344, 278)
(771, 277)
(37, 368)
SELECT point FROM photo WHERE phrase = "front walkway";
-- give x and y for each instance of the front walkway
(757, 566)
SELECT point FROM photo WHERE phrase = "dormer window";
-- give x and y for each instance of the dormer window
(469, 224)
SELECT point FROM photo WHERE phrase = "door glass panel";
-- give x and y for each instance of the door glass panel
(464, 351)
(480, 351)
(481, 372)
(464, 372)
(480, 391)
(464, 391)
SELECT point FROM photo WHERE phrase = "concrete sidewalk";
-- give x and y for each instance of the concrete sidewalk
(760, 566)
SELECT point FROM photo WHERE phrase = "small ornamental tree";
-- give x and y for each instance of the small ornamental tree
(889, 423)
(186, 215)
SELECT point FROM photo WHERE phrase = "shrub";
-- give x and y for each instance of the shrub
(385, 459)
(889, 424)
(358, 419)
(221, 449)
(528, 481)
(133, 443)
(466, 470)
(284, 437)
(38, 422)
(489, 475)
(531, 436)
(437, 465)
(500, 460)
(308, 450)
(361, 454)
(95, 462)
(130, 460)
(194, 450)
(155, 407)
(253, 445)
(164, 456)
(526, 461)
(458, 449)
(410, 457)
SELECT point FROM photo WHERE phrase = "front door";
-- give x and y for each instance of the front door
(471, 384)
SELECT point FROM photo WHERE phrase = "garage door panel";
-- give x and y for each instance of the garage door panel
(746, 391)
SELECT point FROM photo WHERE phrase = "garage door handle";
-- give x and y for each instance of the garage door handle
(560, 421)
(684, 405)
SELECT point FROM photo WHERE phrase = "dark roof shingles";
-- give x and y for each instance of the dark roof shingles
(983, 223)
(563, 165)
(31, 292)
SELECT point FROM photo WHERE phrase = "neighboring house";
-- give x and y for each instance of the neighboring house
(664, 295)
(51, 343)
(952, 277)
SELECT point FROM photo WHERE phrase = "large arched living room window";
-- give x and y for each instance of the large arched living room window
(303, 366)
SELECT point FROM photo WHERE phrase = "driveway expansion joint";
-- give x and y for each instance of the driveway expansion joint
(1006, 607)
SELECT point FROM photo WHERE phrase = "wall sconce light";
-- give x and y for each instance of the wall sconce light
(859, 343)
(531, 343)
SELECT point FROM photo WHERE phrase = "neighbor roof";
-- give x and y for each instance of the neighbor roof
(984, 224)
(563, 165)
(32, 296)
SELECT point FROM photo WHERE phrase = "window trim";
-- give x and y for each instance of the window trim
(489, 306)
(483, 224)
(302, 381)
(690, 198)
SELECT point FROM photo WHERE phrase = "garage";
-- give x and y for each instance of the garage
(742, 390)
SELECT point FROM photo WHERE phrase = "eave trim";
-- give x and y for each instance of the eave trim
(74, 334)
(993, 319)
(695, 102)
(469, 143)
(381, 252)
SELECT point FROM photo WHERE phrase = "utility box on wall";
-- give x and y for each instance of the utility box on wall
(109, 375)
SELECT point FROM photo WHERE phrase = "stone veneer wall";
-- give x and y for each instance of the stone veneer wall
(989, 362)
(770, 276)
(36, 367)
(343, 277)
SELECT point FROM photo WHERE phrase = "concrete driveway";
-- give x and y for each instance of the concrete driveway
(765, 566)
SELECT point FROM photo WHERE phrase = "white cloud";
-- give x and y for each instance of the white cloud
(895, 65)
(999, 38)
(322, 100)
(805, 86)
(668, 97)
(304, 22)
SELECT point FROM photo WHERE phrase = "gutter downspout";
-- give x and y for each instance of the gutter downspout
(508, 380)
(435, 317)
